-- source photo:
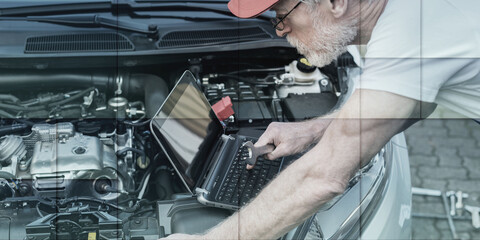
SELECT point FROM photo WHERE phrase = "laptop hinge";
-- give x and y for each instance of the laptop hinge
(201, 190)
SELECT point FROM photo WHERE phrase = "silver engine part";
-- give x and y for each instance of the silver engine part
(75, 153)
(119, 105)
(50, 133)
(60, 156)
(12, 150)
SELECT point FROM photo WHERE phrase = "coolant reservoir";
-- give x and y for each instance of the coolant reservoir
(306, 78)
(303, 71)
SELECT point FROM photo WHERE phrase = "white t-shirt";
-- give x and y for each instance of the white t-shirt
(428, 50)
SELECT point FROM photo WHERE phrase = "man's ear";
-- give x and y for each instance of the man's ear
(338, 7)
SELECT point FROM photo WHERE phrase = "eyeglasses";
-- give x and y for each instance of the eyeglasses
(278, 22)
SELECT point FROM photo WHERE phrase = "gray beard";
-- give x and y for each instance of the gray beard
(327, 42)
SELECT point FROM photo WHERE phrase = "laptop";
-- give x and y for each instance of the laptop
(210, 164)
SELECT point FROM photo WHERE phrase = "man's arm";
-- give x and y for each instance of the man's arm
(294, 137)
(365, 123)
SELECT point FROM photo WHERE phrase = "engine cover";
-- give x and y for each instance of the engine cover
(70, 154)
(65, 163)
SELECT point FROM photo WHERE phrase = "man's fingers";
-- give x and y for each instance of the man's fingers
(270, 156)
(250, 166)
(279, 151)
(265, 139)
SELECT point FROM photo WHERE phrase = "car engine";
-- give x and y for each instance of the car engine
(77, 156)
(54, 156)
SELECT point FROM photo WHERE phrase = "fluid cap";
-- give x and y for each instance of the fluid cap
(305, 66)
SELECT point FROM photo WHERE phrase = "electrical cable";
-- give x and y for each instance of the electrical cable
(73, 98)
(6, 114)
(142, 192)
(88, 199)
(38, 209)
(144, 180)
(26, 122)
(9, 97)
(240, 79)
(20, 108)
(138, 204)
(38, 108)
(258, 70)
(6, 175)
(5, 130)
(129, 149)
(137, 124)
(141, 146)
(139, 139)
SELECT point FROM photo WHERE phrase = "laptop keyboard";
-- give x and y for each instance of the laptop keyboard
(241, 185)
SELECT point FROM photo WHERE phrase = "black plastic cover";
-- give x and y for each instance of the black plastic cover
(309, 105)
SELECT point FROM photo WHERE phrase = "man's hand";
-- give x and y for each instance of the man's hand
(292, 138)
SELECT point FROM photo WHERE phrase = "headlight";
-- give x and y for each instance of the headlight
(343, 216)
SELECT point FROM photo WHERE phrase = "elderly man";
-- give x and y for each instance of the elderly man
(419, 53)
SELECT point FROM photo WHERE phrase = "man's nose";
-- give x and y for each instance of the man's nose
(282, 33)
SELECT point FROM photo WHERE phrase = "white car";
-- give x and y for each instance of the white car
(80, 81)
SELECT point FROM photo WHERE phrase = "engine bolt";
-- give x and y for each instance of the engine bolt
(24, 189)
(22, 165)
(79, 150)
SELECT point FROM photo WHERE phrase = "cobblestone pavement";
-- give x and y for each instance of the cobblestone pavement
(444, 155)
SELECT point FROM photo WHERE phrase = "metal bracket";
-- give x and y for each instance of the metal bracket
(119, 82)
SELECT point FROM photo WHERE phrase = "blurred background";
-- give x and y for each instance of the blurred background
(444, 155)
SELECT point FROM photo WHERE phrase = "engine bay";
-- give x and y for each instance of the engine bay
(77, 157)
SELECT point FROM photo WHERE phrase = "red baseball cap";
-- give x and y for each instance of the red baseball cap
(250, 8)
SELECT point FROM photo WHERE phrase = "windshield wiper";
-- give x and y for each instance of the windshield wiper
(95, 20)
(116, 7)
(92, 20)
(58, 8)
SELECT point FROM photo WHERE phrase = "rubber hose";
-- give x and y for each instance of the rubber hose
(9, 97)
(6, 114)
(6, 175)
(154, 88)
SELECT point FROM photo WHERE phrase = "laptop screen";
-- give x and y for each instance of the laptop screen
(187, 129)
